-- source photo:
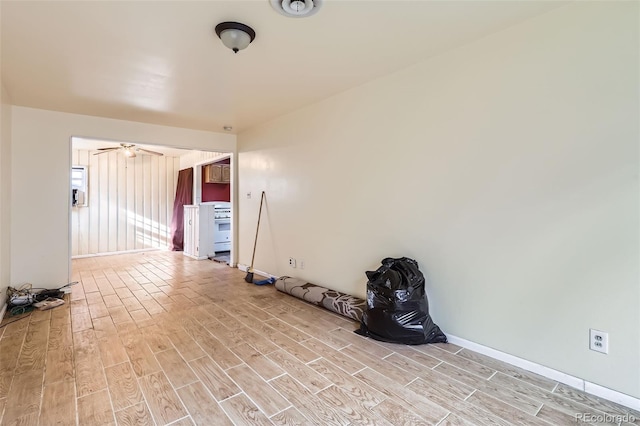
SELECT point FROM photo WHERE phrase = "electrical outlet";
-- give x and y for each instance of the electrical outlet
(301, 264)
(248, 194)
(598, 341)
(292, 262)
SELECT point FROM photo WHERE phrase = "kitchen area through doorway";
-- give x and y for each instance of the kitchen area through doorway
(208, 221)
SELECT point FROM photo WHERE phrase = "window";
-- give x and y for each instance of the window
(79, 186)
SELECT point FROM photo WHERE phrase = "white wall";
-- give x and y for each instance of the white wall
(41, 163)
(130, 202)
(5, 195)
(508, 168)
(194, 157)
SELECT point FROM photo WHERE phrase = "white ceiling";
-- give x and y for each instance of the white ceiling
(161, 62)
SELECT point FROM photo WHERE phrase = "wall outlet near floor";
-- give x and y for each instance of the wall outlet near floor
(598, 341)
(292, 262)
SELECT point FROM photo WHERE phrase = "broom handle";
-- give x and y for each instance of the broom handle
(255, 243)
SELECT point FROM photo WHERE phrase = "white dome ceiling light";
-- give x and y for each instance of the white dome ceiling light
(234, 35)
(296, 8)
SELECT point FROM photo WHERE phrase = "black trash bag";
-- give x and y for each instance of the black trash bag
(397, 305)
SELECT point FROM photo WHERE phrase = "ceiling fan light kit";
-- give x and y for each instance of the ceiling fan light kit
(128, 151)
(296, 8)
(234, 35)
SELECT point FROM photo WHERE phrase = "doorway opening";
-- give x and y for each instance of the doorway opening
(127, 202)
(213, 186)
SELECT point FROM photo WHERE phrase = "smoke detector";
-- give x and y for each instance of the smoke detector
(296, 8)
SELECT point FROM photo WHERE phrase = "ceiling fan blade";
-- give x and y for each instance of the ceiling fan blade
(105, 150)
(108, 149)
(148, 152)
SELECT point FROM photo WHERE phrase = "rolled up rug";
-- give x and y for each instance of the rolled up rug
(335, 301)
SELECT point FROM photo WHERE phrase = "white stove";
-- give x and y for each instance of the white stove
(222, 225)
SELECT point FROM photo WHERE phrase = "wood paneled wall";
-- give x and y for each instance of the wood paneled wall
(190, 159)
(130, 203)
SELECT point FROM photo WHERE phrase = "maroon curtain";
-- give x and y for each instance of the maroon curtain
(184, 196)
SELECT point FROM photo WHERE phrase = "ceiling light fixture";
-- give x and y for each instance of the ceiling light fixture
(296, 8)
(228, 128)
(234, 35)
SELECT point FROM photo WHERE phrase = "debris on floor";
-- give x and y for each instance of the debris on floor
(49, 303)
(397, 305)
(222, 257)
(267, 281)
(26, 298)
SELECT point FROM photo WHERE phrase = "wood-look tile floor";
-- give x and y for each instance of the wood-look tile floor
(157, 338)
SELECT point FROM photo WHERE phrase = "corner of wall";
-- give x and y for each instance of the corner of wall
(5, 195)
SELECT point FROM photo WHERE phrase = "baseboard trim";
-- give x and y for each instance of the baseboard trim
(3, 311)
(550, 373)
(612, 395)
(191, 256)
(111, 253)
(245, 268)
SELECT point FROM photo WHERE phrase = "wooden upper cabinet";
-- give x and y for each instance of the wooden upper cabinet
(217, 173)
(226, 173)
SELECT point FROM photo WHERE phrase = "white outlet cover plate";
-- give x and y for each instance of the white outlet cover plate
(598, 341)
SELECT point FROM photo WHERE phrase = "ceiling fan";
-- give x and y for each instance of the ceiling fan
(128, 149)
